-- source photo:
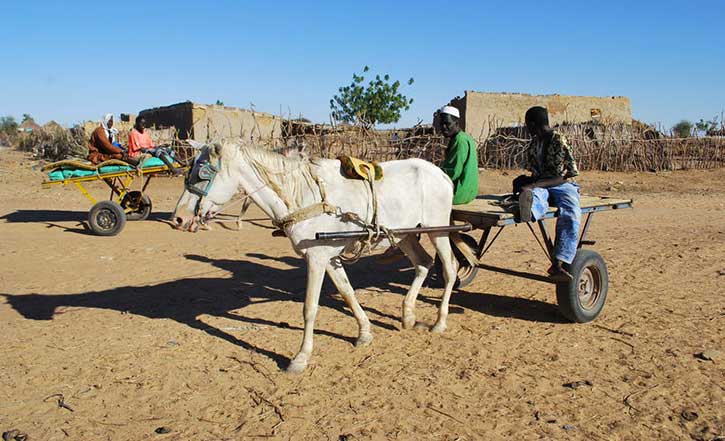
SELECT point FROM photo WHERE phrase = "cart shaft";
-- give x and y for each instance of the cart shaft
(397, 232)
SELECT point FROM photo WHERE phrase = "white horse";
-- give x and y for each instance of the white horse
(305, 197)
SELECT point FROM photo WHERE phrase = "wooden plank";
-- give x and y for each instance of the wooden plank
(485, 211)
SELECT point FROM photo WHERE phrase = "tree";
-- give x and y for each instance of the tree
(378, 101)
(706, 126)
(219, 103)
(8, 125)
(27, 117)
(683, 129)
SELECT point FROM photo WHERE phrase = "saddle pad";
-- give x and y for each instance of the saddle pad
(63, 169)
(354, 168)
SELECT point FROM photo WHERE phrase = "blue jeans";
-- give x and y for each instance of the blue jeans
(565, 197)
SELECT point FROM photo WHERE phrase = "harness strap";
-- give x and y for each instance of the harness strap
(303, 214)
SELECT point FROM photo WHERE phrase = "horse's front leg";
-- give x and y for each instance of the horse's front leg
(245, 206)
(315, 275)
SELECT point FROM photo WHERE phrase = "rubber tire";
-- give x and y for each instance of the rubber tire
(567, 294)
(146, 206)
(107, 218)
(462, 264)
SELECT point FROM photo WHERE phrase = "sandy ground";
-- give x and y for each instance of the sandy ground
(156, 328)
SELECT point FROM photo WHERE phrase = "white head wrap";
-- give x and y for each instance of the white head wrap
(451, 111)
(111, 133)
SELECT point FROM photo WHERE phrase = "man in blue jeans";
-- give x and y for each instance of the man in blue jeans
(552, 166)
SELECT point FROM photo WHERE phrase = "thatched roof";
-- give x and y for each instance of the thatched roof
(28, 126)
(53, 126)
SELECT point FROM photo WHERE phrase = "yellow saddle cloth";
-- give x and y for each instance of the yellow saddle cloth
(354, 168)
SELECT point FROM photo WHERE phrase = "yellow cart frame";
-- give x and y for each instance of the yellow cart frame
(108, 217)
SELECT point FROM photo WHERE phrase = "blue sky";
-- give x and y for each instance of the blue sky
(75, 60)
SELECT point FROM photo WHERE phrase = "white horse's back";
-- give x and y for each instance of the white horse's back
(412, 192)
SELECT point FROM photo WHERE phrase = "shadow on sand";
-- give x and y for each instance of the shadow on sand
(184, 300)
(50, 217)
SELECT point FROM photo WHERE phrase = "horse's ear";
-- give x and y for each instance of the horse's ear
(196, 144)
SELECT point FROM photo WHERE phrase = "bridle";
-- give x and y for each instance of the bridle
(203, 171)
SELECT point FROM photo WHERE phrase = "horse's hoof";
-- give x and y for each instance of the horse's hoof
(364, 340)
(438, 328)
(296, 367)
(408, 322)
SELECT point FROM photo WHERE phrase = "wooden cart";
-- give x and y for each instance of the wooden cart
(580, 300)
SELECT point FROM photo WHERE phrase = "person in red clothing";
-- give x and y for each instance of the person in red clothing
(139, 141)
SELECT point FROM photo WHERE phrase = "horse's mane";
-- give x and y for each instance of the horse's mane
(290, 177)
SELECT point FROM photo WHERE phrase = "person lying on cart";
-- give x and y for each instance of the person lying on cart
(139, 141)
(553, 167)
(103, 144)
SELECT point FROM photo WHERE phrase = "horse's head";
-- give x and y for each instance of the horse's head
(206, 189)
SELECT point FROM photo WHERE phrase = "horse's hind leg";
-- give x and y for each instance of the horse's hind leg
(422, 262)
(342, 283)
(443, 249)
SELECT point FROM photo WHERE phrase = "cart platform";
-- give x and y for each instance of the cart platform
(486, 211)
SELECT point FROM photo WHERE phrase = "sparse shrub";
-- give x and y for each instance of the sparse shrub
(55, 145)
(683, 129)
(8, 125)
(8, 130)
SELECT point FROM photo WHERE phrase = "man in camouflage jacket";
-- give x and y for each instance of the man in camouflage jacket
(552, 166)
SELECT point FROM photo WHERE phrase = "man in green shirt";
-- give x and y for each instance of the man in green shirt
(461, 160)
(460, 164)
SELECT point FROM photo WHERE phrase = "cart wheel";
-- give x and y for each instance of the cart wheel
(466, 272)
(107, 218)
(140, 205)
(582, 299)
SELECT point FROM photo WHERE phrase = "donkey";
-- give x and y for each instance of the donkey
(304, 197)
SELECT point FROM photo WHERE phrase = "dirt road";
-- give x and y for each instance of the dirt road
(160, 329)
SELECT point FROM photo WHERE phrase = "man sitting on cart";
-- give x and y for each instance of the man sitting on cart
(102, 145)
(552, 165)
(461, 159)
(139, 141)
(460, 164)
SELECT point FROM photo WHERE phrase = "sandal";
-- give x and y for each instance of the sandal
(559, 274)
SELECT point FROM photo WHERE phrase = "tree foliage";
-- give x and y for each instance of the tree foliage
(706, 126)
(378, 100)
(8, 125)
(683, 129)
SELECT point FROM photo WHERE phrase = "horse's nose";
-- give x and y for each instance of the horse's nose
(181, 222)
